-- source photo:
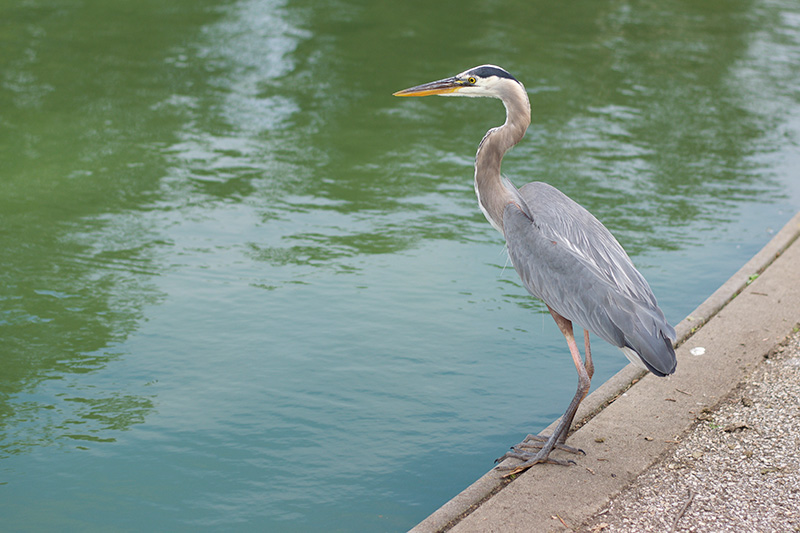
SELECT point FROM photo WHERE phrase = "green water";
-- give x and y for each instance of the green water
(243, 288)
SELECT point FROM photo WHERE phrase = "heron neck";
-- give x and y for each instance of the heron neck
(494, 192)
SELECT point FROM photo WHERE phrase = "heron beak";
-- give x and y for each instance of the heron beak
(445, 86)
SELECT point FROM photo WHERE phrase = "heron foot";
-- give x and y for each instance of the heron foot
(543, 445)
(538, 442)
(528, 460)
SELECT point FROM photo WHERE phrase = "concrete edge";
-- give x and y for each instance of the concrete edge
(490, 483)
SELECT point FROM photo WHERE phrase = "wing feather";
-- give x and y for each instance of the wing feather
(568, 259)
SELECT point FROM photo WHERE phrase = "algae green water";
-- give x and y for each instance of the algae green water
(244, 288)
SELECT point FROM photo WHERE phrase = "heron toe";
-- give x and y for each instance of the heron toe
(538, 442)
(543, 446)
(528, 460)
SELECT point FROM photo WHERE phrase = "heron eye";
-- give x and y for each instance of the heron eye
(471, 80)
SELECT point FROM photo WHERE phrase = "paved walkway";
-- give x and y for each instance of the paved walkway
(711, 448)
(737, 470)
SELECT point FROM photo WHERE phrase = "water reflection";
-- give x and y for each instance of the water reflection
(77, 164)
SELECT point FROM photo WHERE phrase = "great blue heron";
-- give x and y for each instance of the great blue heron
(563, 254)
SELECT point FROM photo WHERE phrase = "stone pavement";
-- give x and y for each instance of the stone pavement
(738, 470)
(649, 440)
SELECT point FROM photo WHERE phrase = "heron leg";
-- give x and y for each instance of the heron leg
(588, 352)
(557, 439)
(589, 366)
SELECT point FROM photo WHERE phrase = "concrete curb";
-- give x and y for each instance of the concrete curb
(547, 480)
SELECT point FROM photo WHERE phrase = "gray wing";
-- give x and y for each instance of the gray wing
(568, 259)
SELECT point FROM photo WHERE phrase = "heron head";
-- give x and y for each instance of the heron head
(485, 80)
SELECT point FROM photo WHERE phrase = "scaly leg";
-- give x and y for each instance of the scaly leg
(588, 361)
(558, 437)
(589, 365)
